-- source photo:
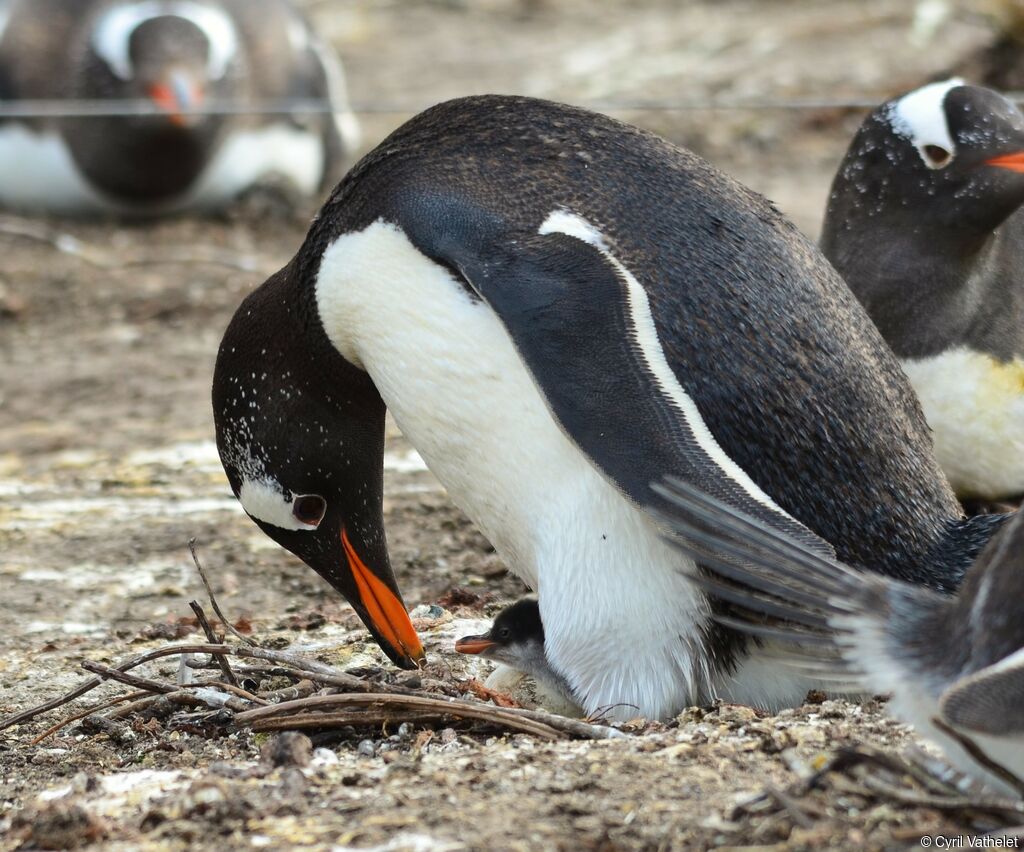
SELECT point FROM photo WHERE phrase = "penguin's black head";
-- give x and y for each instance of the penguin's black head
(516, 637)
(300, 433)
(947, 154)
(175, 53)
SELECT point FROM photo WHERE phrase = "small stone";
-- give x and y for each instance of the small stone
(405, 730)
(448, 736)
(287, 749)
(325, 757)
(58, 825)
(366, 748)
(427, 611)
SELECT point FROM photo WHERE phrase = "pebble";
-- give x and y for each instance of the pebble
(367, 748)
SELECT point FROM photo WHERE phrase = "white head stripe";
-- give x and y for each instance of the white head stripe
(920, 116)
(5, 15)
(115, 26)
(646, 334)
(264, 500)
(564, 222)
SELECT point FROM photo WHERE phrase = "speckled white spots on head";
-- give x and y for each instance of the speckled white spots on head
(920, 116)
(564, 222)
(113, 31)
(265, 500)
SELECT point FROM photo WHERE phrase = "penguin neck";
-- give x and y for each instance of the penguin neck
(923, 289)
(141, 160)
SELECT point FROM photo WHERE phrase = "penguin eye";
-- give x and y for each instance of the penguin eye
(309, 509)
(937, 156)
(504, 633)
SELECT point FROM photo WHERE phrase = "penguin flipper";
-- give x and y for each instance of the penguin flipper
(990, 701)
(751, 564)
(583, 327)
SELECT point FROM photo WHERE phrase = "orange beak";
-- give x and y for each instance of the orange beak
(1014, 162)
(473, 644)
(385, 611)
(176, 98)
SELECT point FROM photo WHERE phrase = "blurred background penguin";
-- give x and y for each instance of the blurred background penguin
(190, 101)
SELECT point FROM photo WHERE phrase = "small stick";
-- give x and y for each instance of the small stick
(980, 757)
(149, 700)
(418, 705)
(446, 706)
(214, 640)
(130, 680)
(95, 708)
(355, 718)
(290, 693)
(790, 806)
(237, 690)
(1003, 807)
(213, 598)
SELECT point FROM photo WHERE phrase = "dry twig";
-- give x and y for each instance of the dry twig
(214, 640)
(213, 598)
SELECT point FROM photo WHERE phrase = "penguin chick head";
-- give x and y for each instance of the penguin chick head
(516, 639)
(175, 53)
(946, 154)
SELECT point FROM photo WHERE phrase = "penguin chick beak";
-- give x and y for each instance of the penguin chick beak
(383, 611)
(474, 644)
(1013, 162)
(177, 96)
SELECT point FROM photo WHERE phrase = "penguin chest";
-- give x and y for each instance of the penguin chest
(622, 620)
(974, 405)
(37, 172)
(248, 157)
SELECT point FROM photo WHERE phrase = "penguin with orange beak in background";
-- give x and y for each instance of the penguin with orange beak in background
(924, 223)
(185, 70)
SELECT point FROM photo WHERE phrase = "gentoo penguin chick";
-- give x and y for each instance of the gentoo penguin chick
(516, 639)
(924, 224)
(954, 665)
(559, 309)
(176, 56)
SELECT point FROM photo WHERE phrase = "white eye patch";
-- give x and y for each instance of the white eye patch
(114, 29)
(920, 116)
(265, 500)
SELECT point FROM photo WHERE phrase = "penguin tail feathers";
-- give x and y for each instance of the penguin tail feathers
(761, 581)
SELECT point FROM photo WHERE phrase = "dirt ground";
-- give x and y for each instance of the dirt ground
(107, 469)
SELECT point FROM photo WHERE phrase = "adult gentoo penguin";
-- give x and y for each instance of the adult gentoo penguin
(924, 224)
(954, 665)
(558, 309)
(177, 56)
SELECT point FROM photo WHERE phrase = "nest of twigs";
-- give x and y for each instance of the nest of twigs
(318, 697)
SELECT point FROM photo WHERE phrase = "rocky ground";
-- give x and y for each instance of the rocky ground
(107, 469)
